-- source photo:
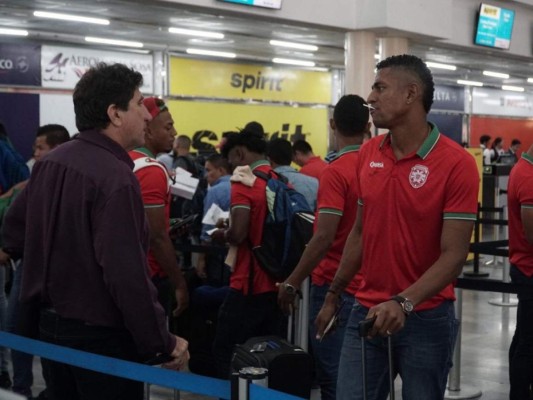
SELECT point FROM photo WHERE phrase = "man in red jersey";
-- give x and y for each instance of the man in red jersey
(335, 217)
(310, 164)
(417, 205)
(250, 308)
(520, 201)
(154, 181)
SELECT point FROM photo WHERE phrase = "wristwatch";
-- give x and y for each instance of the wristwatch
(291, 290)
(407, 305)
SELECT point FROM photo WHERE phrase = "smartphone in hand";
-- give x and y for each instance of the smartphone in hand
(333, 321)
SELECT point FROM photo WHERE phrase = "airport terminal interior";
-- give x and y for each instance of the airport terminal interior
(285, 63)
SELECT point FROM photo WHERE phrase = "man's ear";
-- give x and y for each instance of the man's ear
(332, 124)
(413, 92)
(114, 115)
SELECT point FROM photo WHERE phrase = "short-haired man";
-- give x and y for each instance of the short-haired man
(417, 206)
(48, 137)
(250, 308)
(335, 216)
(303, 155)
(514, 149)
(279, 152)
(520, 200)
(210, 267)
(155, 184)
(80, 223)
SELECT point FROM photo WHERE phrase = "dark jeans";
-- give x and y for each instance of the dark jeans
(242, 317)
(521, 350)
(67, 382)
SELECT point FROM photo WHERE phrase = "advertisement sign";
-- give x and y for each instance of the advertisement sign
(248, 82)
(494, 27)
(20, 65)
(448, 98)
(204, 122)
(501, 102)
(62, 67)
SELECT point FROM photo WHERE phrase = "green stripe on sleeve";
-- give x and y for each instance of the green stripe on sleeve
(244, 206)
(330, 211)
(462, 216)
(526, 205)
(154, 205)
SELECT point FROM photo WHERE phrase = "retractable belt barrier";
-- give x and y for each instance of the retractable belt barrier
(138, 372)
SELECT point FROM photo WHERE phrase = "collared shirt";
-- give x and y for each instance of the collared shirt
(314, 167)
(306, 185)
(337, 195)
(520, 196)
(86, 240)
(405, 203)
(220, 194)
(154, 189)
(253, 199)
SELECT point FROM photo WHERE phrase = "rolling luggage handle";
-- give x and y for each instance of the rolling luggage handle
(364, 328)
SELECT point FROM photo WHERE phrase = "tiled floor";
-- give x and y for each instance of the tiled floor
(487, 331)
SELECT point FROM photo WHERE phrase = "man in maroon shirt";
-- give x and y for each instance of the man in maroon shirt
(81, 226)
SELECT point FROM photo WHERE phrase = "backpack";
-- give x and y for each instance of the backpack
(287, 229)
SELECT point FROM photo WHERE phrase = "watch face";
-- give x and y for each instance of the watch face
(289, 289)
(408, 306)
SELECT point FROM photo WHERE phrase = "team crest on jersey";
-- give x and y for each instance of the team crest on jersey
(418, 176)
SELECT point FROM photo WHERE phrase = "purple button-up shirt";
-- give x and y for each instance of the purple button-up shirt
(85, 240)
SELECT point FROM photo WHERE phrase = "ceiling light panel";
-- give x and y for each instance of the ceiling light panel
(69, 17)
(113, 42)
(448, 67)
(211, 53)
(13, 32)
(469, 83)
(191, 32)
(513, 88)
(496, 74)
(292, 45)
(289, 61)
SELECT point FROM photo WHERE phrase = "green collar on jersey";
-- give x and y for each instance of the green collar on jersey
(258, 163)
(527, 157)
(348, 149)
(428, 144)
(145, 151)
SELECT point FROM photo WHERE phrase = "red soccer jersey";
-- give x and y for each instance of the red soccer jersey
(404, 205)
(520, 195)
(154, 189)
(253, 199)
(314, 167)
(337, 195)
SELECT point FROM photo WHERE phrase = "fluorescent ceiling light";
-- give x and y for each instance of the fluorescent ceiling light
(293, 62)
(14, 32)
(496, 74)
(190, 32)
(449, 67)
(211, 53)
(529, 80)
(513, 88)
(68, 17)
(293, 45)
(113, 42)
(469, 83)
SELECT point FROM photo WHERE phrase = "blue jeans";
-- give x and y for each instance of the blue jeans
(422, 356)
(327, 352)
(66, 382)
(521, 350)
(22, 362)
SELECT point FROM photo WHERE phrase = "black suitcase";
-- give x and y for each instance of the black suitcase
(290, 368)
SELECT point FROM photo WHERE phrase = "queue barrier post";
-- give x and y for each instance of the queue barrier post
(455, 390)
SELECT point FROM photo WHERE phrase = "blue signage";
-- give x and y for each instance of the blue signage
(259, 3)
(495, 27)
(20, 64)
(448, 98)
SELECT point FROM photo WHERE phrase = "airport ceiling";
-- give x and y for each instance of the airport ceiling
(147, 21)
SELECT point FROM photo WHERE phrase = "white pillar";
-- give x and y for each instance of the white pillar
(393, 46)
(359, 62)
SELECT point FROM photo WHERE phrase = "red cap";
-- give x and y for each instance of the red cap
(155, 106)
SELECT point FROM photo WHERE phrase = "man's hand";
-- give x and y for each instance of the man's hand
(287, 302)
(201, 267)
(180, 355)
(4, 257)
(182, 300)
(326, 313)
(219, 236)
(390, 318)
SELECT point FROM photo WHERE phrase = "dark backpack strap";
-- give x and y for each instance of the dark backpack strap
(264, 176)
